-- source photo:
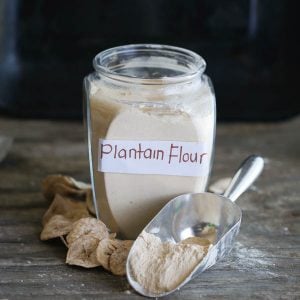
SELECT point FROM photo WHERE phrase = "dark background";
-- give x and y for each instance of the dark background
(250, 46)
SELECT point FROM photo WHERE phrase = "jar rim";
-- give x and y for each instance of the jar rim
(109, 63)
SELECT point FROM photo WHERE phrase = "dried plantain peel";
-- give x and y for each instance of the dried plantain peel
(90, 243)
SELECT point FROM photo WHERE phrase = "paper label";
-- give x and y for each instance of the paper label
(153, 157)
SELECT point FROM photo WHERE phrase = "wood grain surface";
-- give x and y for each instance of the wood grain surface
(265, 260)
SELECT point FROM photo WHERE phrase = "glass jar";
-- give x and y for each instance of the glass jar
(150, 114)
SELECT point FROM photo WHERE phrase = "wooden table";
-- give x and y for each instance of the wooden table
(265, 261)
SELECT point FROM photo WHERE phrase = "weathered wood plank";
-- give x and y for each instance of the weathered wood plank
(221, 281)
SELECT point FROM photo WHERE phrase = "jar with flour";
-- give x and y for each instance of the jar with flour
(150, 114)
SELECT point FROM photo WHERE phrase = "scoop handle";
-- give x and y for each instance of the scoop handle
(247, 173)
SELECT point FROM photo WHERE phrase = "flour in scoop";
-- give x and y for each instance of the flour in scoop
(161, 267)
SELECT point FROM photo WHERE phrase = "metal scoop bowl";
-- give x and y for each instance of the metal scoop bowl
(187, 215)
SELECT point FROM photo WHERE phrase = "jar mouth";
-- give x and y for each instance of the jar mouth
(149, 64)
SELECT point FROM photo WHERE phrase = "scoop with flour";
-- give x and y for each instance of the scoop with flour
(166, 255)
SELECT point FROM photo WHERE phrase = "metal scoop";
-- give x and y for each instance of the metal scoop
(186, 216)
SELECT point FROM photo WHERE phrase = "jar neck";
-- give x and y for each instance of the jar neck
(146, 64)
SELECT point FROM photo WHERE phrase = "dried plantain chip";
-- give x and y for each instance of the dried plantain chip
(82, 252)
(89, 242)
(65, 186)
(88, 226)
(105, 248)
(57, 226)
(72, 210)
(117, 260)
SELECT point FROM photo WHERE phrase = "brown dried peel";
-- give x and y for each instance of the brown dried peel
(88, 226)
(70, 209)
(105, 249)
(57, 226)
(89, 242)
(82, 252)
(60, 216)
(65, 186)
(117, 260)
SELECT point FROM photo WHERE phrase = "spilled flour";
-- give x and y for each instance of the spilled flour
(160, 267)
